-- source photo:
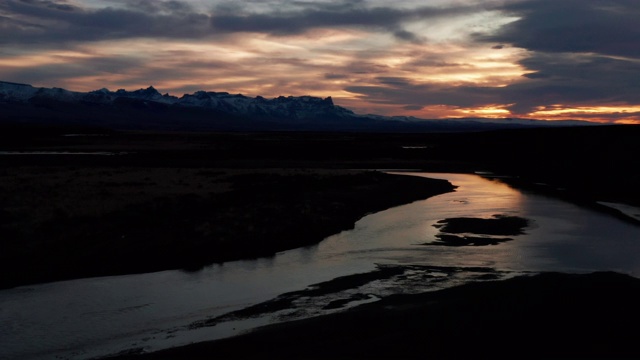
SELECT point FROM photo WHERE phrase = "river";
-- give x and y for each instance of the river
(93, 317)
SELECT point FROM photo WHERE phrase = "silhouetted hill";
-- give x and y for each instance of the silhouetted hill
(148, 110)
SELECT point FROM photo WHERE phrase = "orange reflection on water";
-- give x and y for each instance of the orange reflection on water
(497, 197)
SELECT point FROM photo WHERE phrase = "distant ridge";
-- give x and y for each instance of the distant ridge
(148, 109)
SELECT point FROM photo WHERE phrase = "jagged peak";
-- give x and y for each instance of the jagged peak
(152, 92)
(148, 91)
(100, 91)
(279, 107)
(306, 98)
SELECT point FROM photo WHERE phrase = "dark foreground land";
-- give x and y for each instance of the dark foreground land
(186, 200)
(67, 222)
(547, 316)
(595, 162)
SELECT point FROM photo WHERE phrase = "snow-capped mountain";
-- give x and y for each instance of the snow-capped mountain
(13, 92)
(202, 110)
(303, 107)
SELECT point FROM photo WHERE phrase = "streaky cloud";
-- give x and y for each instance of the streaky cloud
(332, 15)
(42, 22)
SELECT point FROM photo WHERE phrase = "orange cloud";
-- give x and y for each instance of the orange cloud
(622, 114)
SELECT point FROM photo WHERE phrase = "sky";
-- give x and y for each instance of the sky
(544, 59)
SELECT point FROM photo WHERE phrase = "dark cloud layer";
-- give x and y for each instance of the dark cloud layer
(559, 78)
(583, 52)
(332, 15)
(40, 21)
(600, 26)
(58, 21)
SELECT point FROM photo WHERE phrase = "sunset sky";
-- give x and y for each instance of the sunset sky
(546, 59)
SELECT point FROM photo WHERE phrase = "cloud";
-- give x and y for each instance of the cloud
(578, 79)
(289, 23)
(607, 27)
(408, 36)
(333, 76)
(580, 52)
(156, 6)
(331, 15)
(554, 78)
(61, 68)
(402, 57)
(56, 22)
(413, 95)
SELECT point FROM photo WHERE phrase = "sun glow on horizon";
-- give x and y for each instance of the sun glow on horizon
(624, 114)
(561, 110)
(492, 111)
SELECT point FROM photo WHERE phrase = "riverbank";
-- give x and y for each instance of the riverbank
(61, 214)
(71, 222)
(550, 315)
(157, 203)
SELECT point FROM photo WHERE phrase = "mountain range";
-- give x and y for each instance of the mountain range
(148, 109)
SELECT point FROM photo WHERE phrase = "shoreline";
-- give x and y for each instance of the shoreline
(114, 221)
(540, 316)
(192, 173)
(632, 212)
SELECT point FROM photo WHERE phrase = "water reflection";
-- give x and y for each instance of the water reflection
(90, 317)
(477, 196)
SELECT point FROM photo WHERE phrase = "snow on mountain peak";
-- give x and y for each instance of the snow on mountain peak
(277, 108)
(215, 108)
(280, 107)
(15, 91)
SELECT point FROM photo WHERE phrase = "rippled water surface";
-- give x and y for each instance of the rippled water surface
(92, 317)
